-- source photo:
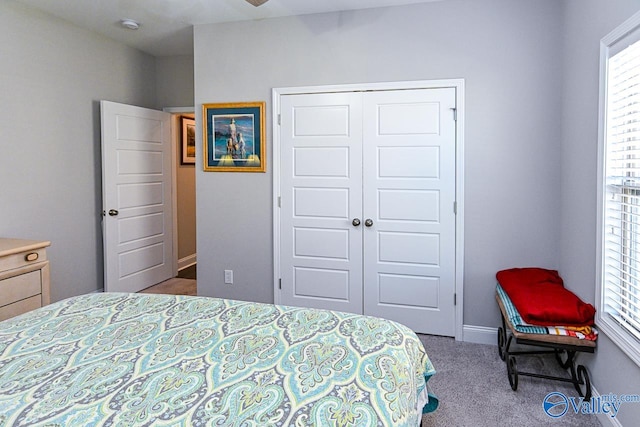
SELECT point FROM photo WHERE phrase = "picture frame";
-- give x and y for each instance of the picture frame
(234, 137)
(188, 141)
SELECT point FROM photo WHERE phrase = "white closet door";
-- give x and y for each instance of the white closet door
(409, 193)
(321, 193)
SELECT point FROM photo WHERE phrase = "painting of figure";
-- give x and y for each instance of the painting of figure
(234, 137)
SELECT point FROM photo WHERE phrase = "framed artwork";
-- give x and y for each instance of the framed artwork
(188, 141)
(234, 137)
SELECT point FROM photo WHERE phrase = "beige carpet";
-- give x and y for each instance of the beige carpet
(175, 286)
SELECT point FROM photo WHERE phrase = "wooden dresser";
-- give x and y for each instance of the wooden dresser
(24, 276)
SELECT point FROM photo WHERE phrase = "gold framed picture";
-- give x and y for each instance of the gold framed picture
(234, 137)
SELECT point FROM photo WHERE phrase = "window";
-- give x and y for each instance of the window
(619, 188)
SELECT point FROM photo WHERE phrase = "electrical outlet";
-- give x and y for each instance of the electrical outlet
(228, 277)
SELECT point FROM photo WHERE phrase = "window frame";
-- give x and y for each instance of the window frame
(607, 324)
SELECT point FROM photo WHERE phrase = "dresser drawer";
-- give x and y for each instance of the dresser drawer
(24, 276)
(12, 310)
(22, 259)
(20, 287)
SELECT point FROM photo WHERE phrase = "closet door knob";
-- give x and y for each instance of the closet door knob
(368, 222)
(113, 212)
(355, 222)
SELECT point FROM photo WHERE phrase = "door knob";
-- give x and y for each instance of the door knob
(113, 212)
(355, 222)
(368, 222)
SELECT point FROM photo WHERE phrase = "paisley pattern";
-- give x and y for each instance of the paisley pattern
(163, 360)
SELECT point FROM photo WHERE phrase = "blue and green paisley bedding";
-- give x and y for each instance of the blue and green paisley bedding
(142, 359)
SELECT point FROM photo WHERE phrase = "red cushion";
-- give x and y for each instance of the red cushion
(540, 297)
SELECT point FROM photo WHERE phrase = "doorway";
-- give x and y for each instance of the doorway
(184, 194)
(148, 195)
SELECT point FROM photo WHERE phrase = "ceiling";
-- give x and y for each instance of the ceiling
(166, 25)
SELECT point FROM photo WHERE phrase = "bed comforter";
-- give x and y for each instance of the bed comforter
(141, 359)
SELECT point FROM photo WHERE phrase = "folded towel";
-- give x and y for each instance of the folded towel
(581, 332)
(584, 333)
(541, 299)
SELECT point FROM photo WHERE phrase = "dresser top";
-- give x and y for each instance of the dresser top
(13, 246)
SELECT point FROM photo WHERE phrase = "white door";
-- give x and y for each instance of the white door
(409, 195)
(321, 181)
(136, 191)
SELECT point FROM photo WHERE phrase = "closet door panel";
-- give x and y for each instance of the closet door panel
(321, 182)
(408, 194)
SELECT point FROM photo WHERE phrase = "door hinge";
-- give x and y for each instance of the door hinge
(279, 119)
(279, 201)
(455, 299)
(455, 114)
(455, 208)
(279, 283)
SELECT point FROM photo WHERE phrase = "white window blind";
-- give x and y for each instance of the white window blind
(622, 261)
(619, 302)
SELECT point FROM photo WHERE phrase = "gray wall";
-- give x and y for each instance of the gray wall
(508, 53)
(52, 76)
(587, 21)
(174, 81)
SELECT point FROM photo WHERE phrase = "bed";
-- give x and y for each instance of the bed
(143, 359)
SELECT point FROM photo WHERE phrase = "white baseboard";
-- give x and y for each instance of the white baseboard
(187, 261)
(480, 334)
(97, 291)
